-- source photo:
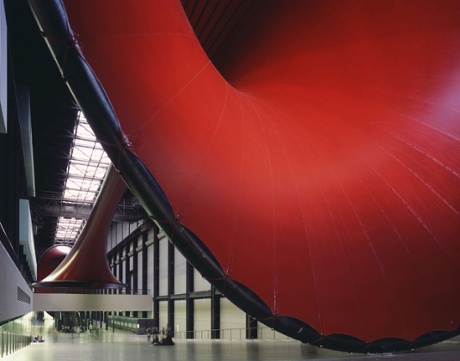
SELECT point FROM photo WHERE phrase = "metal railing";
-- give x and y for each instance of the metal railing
(11, 342)
(233, 334)
(105, 291)
(229, 334)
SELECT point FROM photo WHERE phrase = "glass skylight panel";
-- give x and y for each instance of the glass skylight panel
(68, 229)
(86, 170)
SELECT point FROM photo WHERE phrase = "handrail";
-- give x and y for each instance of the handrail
(234, 334)
(261, 333)
(12, 342)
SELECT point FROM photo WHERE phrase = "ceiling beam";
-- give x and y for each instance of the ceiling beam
(58, 208)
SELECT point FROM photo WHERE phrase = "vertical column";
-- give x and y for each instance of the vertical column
(135, 268)
(171, 287)
(135, 272)
(215, 314)
(128, 273)
(120, 265)
(144, 276)
(114, 264)
(251, 328)
(189, 304)
(156, 278)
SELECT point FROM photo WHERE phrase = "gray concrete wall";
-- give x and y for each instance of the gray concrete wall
(15, 297)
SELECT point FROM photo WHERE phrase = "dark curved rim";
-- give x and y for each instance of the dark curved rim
(92, 284)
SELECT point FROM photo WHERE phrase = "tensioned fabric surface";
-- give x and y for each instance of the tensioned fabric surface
(318, 168)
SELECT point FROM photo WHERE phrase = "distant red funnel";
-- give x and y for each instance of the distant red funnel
(85, 266)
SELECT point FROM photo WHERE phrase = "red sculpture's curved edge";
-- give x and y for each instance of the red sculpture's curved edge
(50, 259)
(48, 262)
(79, 285)
(326, 159)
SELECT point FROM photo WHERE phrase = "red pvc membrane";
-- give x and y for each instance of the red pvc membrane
(50, 259)
(318, 169)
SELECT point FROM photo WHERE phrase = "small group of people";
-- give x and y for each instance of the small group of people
(38, 338)
(162, 338)
(78, 328)
(66, 329)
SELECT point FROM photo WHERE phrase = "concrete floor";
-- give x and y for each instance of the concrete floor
(106, 345)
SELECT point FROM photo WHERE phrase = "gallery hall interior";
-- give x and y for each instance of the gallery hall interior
(229, 180)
